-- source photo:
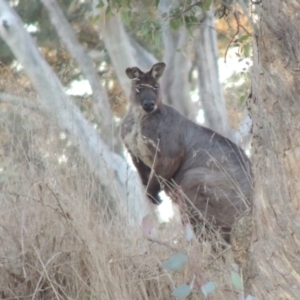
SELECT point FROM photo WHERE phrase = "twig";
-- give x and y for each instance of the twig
(245, 29)
(235, 14)
(16, 100)
(217, 257)
(185, 10)
(44, 204)
(161, 243)
(66, 215)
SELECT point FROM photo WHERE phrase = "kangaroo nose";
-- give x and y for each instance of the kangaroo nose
(148, 105)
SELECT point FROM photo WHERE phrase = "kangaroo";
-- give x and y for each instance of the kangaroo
(173, 153)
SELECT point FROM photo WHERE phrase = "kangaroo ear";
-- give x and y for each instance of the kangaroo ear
(157, 70)
(134, 73)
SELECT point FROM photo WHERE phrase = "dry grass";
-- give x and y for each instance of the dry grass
(61, 239)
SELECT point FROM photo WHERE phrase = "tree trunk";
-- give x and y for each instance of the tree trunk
(85, 63)
(117, 44)
(175, 83)
(275, 110)
(210, 89)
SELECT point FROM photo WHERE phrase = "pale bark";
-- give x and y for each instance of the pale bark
(119, 49)
(243, 135)
(117, 44)
(123, 52)
(144, 59)
(175, 81)
(275, 110)
(210, 89)
(68, 38)
(112, 169)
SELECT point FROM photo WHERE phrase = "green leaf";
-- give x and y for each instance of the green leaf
(132, 24)
(100, 4)
(157, 40)
(182, 291)
(190, 20)
(242, 99)
(175, 24)
(108, 11)
(208, 288)
(175, 262)
(206, 5)
(244, 38)
(156, 3)
(237, 280)
(126, 16)
(247, 49)
(95, 19)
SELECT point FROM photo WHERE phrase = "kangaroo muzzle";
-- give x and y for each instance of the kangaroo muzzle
(148, 105)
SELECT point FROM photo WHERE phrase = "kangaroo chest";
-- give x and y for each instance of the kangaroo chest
(140, 144)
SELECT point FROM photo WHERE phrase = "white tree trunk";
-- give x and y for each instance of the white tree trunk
(68, 38)
(117, 43)
(175, 82)
(210, 89)
(113, 171)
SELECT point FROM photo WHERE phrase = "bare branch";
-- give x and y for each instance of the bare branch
(239, 25)
(68, 37)
(111, 168)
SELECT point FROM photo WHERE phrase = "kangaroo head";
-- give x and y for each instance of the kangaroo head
(145, 89)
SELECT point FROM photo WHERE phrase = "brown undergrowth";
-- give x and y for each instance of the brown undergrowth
(61, 239)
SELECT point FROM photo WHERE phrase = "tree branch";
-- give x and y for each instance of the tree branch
(239, 25)
(68, 38)
(112, 169)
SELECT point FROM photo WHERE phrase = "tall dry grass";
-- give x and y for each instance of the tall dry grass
(61, 239)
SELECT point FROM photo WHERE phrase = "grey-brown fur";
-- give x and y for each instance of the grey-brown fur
(211, 171)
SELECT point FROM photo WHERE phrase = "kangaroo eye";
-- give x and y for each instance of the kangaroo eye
(156, 87)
